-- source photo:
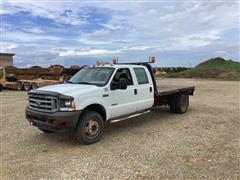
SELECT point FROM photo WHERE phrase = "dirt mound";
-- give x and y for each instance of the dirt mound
(217, 68)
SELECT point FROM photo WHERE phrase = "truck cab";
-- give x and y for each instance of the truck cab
(93, 96)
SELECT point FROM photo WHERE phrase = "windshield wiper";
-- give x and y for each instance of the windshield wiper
(85, 83)
(70, 82)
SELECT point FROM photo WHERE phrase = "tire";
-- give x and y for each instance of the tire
(90, 128)
(19, 86)
(27, 86)
(172, 103)
(1, 87)
(181, 103)
(35, 86)
(45, 131)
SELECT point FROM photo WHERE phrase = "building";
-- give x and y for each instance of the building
(6, 59)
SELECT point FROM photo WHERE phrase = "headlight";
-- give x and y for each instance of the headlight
(67, 105)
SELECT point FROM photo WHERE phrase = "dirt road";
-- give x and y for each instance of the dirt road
(201, 144)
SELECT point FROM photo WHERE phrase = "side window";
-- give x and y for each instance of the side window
(141, 76)
(123, 73)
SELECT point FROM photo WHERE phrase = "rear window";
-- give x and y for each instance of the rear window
(141, 76)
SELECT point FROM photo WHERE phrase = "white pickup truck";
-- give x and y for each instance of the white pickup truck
(99, 94)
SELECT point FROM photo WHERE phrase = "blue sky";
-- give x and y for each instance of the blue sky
(179, 33)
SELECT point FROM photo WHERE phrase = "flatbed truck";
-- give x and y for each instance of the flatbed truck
(99, 94)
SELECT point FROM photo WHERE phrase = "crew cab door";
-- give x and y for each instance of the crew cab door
(123, 101)
(145, 90)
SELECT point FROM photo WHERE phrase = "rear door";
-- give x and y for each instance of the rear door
(123, 102)
(145, 91)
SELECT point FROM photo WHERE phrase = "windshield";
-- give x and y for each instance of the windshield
(98, 76)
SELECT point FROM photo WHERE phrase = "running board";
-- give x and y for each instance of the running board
(128, 117)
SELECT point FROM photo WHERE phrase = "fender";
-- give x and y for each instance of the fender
(82, 104)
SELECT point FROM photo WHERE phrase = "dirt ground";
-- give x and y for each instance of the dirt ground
(201, 144)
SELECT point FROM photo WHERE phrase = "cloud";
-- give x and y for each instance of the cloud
(91, 52)
(94, 52)
(136, 48)
(27, 37)
(34, 30)
(51, 10)
(69, 30)
(188, 42)
(7, 47)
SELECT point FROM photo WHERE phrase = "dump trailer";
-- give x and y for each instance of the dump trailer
(34, 77)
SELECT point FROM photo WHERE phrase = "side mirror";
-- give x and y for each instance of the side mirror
(122, 84)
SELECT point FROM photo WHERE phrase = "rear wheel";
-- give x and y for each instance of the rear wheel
(172, 103)
(179, 103)
(27, 86)
(19, 86)
(90, 128)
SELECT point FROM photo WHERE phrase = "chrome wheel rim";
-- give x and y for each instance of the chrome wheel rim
(92, 128)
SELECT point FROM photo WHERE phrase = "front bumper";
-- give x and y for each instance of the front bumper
(57, 122)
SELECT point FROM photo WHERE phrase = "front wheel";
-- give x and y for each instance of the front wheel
(90, 128)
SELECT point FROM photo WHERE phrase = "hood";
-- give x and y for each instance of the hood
(70, 89)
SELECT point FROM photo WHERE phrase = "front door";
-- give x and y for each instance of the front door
(123, 102)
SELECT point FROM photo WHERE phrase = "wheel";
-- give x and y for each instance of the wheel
(35, 86)
(181, 103)
(45, 131)
(19, 86)
(90, 128)
(27, 86)
(1, 87)
(172, 103)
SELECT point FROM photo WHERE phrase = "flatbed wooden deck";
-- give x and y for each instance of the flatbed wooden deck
(165, 90)
(165, 93)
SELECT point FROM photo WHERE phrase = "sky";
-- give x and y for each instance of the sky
(178, 33)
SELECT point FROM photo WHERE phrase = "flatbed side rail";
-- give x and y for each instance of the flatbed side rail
(188, 90)
(163, 98)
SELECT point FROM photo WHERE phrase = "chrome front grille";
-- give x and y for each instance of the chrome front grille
(43, 103)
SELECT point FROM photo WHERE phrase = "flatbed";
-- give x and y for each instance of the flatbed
(165, 90)
(166, 94)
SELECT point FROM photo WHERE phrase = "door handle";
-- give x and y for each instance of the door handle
(135, 91)
(150, 89)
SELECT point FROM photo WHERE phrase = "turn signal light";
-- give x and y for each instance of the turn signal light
(115, 61)
(152, 59)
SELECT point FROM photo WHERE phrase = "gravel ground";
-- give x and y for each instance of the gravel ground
(201, 144)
